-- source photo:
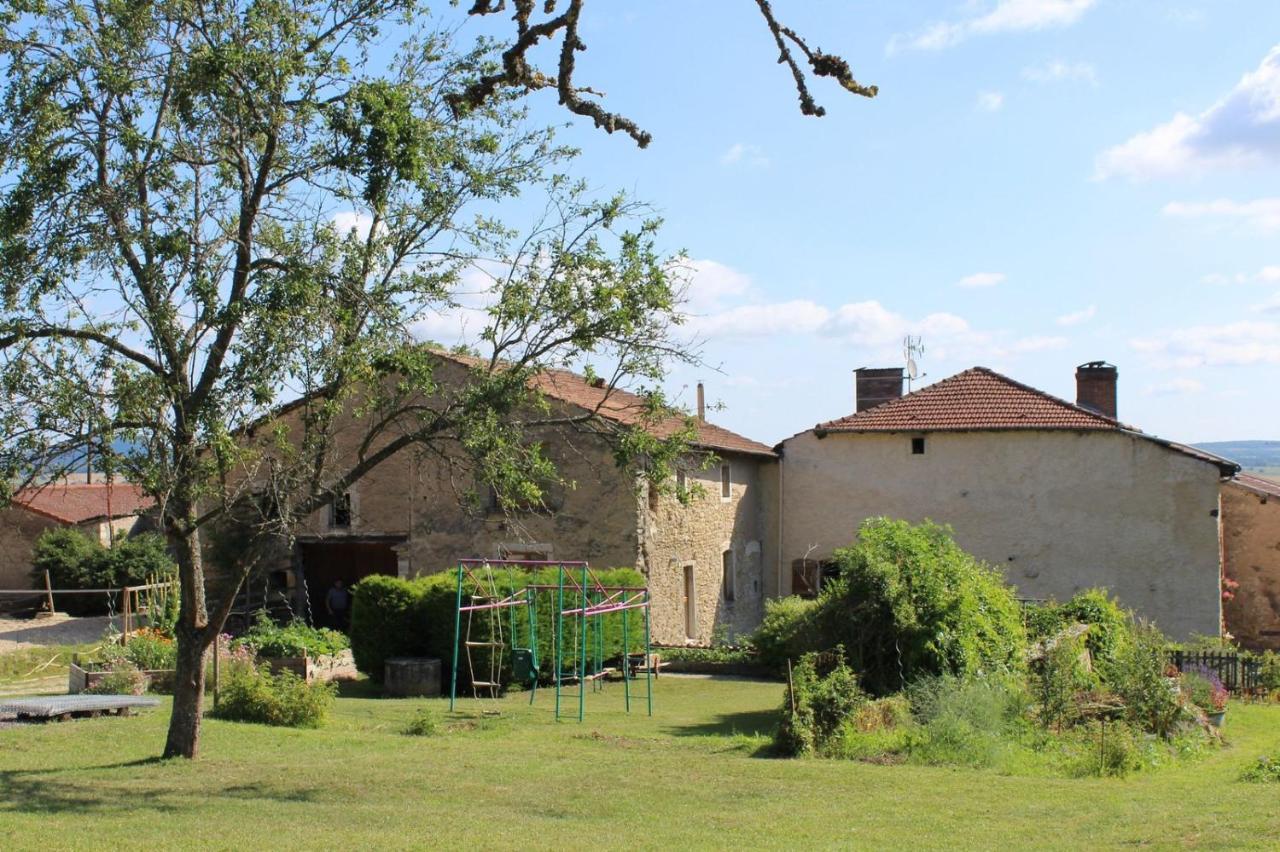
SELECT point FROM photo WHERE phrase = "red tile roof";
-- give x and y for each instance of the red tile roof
(977, 399)
(628, 409)
(982, 400)
(75, 503)
(1256, 484)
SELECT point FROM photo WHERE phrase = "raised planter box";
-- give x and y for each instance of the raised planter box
(80, 679)
(412, 676)
(322, 668)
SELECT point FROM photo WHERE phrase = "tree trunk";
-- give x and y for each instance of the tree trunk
(188, 695)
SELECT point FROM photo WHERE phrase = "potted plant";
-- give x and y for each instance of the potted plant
(1204, 689)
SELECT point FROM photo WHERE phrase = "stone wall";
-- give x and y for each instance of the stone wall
(1251, 557)
(19, 530)
(696, 536)
(1056, 511)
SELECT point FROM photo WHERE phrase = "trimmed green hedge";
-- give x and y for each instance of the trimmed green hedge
(391, 617)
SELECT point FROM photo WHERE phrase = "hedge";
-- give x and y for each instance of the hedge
(391, 617)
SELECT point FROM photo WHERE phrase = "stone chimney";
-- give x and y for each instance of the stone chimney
(875, 385)
(1096, 387)
(702, 404)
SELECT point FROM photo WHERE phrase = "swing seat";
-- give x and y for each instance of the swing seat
(522, 666)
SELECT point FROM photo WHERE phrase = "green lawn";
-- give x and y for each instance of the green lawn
(691, 776)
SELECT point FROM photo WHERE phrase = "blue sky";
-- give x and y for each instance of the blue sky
(1040, 183)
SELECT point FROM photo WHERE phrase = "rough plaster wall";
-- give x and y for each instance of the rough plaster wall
(699, 533)
(1056, 511)
(19, 530)
(1251, 557)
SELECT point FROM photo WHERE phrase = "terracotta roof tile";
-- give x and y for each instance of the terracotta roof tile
(75, 503)
(1256, 484)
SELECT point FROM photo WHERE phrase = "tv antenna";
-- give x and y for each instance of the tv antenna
(912, 352)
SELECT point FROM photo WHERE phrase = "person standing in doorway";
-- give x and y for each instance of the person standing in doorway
(338, 604)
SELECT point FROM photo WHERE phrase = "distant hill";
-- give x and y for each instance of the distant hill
(1251, 455)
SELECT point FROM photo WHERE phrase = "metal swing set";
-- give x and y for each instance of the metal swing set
(579, 603)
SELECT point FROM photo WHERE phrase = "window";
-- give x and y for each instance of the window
(917, 446)
(730, 581)
(340, 512)
(726, 484)
(809, 575)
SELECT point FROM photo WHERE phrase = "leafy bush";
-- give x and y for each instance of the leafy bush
(965, 721)
(151, 651)
(1088, 751)
(734, 656)
(250, 693)
(1204, 689)
(822, 696)
(1269, 671)
(1058, 677)
(1265, 770)
(1109, 625)
(76, 561)
(295, 639)
(391, 617)
(423, 724)
(1042, 620)
(1137, 676)
(911, 604)
(123, 679)
(787, 631)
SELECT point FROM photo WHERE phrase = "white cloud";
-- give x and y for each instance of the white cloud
(1261, 213)
(1004, 16)
(1270, 306)
(347, 221)
(799, 316)
(981, 279)
(742, 154)
(1174, 387)
(1238, 344)
(1265, 275)
(711, 283)
(1038, 344)
(1057, 70)
(990, 101)
(1241, 129)
(1077, 317)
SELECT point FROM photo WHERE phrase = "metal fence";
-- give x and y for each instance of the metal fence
(1238, 673)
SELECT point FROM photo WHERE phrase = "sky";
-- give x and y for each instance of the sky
(1040, 183)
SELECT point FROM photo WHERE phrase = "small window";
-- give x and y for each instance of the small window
(340, 512)
(726, 483)
(730, 581)
(917, 446)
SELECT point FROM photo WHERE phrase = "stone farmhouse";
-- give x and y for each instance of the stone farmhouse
(705, 557)
(102, 510)
(1251, 561)
(1061, 496)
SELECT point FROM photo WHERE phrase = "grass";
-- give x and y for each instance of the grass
(37, 664)
(691, 776)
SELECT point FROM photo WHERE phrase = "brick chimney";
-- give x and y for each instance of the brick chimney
(875, 385)
(1096, 387)
(702, 404)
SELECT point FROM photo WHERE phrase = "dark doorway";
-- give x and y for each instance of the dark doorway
(348, 561)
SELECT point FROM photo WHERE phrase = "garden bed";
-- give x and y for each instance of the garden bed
(319, 667)
(81, 679)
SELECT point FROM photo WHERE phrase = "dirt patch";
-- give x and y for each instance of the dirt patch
(58, 629)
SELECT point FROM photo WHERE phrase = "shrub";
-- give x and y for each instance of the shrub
(295, 639)
(1058, 677)
(151, 651)
(1089, 752)
(391, 617)
(1109, 625)
(123, 679)
(965, 721)
(910, 604)
(1042, 620)
(1137, 676)
(1269, 671)
(1204, 689)
(250, 693)
(786, 632)
(423, 724)
(1264, 770)
(821, 698)
(76, 561)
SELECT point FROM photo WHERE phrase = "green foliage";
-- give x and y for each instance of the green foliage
(1089, 751)
(1058, 677)
(821, 698)
(423, 724)
(123, 679)
(911, 604)
(1269, 671)
(1264, 770)
(730, 656)
(76, 561)
(295, 639)
(151, 652)
(1137, 676)
(1042, 619)
(965, 721)
(787, 631)
(391, 617)
(1109, 625)
(250, 693)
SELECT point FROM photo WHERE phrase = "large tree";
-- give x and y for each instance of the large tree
(208, 207)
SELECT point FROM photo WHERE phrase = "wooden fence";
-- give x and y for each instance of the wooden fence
(1238, 673)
